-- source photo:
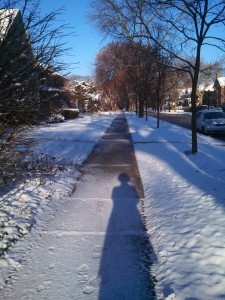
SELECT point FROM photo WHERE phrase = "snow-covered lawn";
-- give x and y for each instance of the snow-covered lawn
(185, 208)
(184, 199)
(60, 147)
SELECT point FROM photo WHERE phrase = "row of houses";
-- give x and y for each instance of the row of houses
(210, 95)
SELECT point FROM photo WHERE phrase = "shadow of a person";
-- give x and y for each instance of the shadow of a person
(125, 263)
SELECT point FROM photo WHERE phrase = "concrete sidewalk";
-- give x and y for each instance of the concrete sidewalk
(96, 246)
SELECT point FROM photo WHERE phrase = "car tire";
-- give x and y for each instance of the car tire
(204, 130)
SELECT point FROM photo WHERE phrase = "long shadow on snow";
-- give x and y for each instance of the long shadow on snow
(127, 253)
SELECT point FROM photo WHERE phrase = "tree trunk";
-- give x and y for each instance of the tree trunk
(158, 112)
(193, 119)
(193, 101)
(141, 107)
(158, 98)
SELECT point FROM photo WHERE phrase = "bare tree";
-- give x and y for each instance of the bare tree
(122, 19)
(30, 46)
(113, 72)
(186, 26)
(115, 18)
(180, 29)
(125, 72)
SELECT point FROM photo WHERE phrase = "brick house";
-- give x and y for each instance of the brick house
(219, 87)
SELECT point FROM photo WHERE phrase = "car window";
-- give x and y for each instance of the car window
(214, 115)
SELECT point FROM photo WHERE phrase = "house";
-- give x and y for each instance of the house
(15, 47)
(219, 86)
(209, 94)
(87, 96)
(13, 33)
(52, 92)
(208, 97)
(25, 85)
(16, 59)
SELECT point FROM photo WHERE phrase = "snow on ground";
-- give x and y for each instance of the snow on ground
(185, 208)
(184, 199)
(63, 146)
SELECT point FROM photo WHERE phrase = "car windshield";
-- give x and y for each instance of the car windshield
(214, 115)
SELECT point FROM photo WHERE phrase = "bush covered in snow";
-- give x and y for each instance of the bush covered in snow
(86, 94)
(54, 118)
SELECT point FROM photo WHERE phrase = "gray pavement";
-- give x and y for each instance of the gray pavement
(96, 246)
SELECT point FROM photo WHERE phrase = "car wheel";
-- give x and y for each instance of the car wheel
(204, 130)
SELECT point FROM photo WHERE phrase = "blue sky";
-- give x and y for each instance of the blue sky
(87, 41)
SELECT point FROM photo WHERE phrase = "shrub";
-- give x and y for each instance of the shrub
(70, 113)
(54, 118)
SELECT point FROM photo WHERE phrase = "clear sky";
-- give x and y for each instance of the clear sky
(86, 42)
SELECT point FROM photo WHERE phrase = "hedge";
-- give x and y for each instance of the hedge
(70, 113)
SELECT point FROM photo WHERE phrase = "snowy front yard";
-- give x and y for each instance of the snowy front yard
(62, 147)
(184, 199)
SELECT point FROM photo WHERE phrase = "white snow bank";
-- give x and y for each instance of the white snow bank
(185, 208)
(184, 199)
(63, 145)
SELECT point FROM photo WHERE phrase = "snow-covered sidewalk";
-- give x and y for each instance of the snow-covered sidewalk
(185, 208)
(95, 246)
(63, 146)
(184, 200)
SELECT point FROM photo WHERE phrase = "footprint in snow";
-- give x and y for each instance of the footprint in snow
(82, 270)
(95, 281)
(88, 290)
(83, 279)
(51, 266)
(40, 288)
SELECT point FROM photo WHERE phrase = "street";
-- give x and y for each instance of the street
(180, 119)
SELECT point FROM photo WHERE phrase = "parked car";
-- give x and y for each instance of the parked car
(211, 121)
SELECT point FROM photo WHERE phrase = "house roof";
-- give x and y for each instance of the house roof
(7, 16)
(210, 88)
(221, 81)
(13, 31)
(184, 91)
